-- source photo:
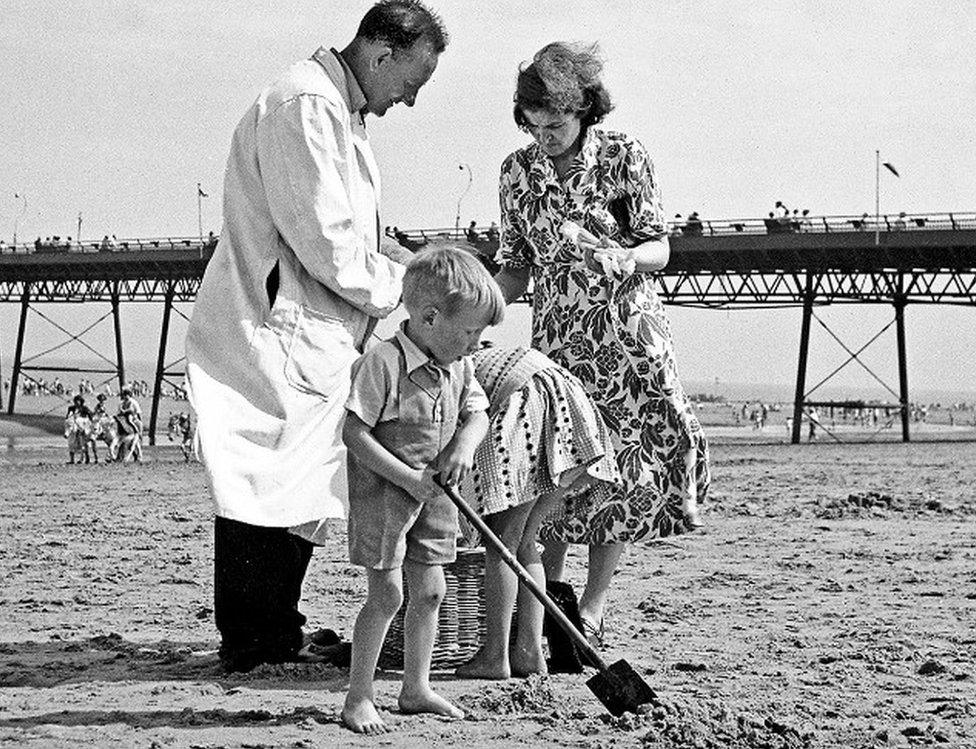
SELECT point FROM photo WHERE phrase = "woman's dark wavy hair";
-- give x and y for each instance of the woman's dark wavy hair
(401, 23)
(563, 77)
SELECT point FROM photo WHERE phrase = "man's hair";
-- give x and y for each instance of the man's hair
(452, 280)
(563, 78)
(401, 23)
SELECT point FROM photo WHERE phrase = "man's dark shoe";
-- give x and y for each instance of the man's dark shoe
(322, 638)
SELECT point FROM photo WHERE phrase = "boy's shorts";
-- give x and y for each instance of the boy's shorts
(389, 526)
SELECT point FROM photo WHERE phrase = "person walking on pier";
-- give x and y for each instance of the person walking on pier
(292, 293)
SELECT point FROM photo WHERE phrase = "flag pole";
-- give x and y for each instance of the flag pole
(199, 212)
(877, 197)
(457, 216)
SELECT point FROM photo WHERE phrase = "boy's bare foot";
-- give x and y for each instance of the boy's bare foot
(362, 716)
(482, 666)
(427, 701)
(526, 663)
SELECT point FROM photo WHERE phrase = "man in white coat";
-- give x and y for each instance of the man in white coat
(293, 291)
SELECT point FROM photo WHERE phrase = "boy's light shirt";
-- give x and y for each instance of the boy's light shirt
(474, 398)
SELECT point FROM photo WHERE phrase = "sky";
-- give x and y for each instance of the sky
(115, 110)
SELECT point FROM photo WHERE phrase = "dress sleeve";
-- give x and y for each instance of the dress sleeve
(514, 250)
(473, 397)
(642, 194)
(303, 147)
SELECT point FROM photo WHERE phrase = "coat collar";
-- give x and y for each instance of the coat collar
(337, 69)
(352, 94)
(542, 175)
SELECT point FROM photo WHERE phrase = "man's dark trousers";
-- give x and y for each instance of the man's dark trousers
(258, 574)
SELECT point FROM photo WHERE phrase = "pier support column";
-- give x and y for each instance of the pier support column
(900, 303)
(117, 321)
(161, 361)
(801, 367)
(19, 351)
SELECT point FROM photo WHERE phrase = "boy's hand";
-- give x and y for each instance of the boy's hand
(424, 488)
(453, 464)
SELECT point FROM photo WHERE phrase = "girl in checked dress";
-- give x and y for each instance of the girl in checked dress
(545, 443)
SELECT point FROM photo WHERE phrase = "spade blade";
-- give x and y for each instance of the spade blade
(620, 688)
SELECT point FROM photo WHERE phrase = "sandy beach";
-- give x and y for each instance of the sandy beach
(830, 602)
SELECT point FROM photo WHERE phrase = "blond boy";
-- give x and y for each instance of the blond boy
(414, 410)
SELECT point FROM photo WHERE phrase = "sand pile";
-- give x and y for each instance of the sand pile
(880, 504)
(708, 724)
(915, 735)
(670, 722)
(532, 695)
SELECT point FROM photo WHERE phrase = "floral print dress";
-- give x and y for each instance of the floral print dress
(612, 333)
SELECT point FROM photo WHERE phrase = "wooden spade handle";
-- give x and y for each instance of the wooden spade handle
(523, 575)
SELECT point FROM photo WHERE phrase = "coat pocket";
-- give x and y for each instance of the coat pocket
(319, 354)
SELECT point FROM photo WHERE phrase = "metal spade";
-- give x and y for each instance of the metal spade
(618, 686)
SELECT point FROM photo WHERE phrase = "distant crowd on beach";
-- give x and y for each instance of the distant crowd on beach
(717, 411)
(121, 433)
(37, 387)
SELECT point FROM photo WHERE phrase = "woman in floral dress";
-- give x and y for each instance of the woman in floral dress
(607, 328)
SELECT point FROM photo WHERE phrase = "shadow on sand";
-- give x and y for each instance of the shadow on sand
(186, 718)
(110, 658)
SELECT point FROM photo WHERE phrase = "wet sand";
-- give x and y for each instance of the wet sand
(830, 602)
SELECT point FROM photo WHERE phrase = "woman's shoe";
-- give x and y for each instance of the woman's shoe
(322, 638)
(595, 633)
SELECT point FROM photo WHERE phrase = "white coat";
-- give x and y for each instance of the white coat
(288, 299)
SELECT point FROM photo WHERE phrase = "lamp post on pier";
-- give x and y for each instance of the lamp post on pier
(23, 210)
(457, 216)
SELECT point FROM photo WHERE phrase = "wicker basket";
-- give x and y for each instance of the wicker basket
(460, 622)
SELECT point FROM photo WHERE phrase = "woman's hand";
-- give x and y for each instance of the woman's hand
(652, 255)
(608, 258)
(600, 254)
(649, 256)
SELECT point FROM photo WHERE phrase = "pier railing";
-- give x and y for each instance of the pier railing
(487, 235)
(134, 244)
(888, 222)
